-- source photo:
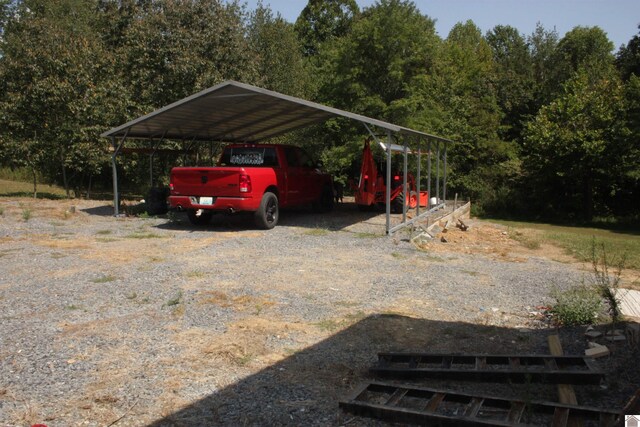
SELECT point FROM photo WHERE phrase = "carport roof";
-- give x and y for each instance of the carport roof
(238, 112)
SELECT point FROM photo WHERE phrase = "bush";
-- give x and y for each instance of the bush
(577, 306)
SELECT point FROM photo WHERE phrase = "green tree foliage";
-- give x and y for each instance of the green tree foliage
(462, 93)
(582, 47)
(628, 58)
(50, 95)
(170, 49)
(374, 66)
(277, 54)
(514, 81)
(322, 21)
(545, 121)
(372, 71)
(576, 144)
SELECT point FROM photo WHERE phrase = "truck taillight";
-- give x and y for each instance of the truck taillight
(396, 178)
(171, 186)
(245, 183)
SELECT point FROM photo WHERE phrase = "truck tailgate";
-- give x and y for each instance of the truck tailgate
(217, 182)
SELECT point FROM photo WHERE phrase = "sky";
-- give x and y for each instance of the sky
(618, 18)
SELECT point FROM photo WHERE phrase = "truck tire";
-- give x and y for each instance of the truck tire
(267, 215)
(397, 204)
(203, 219)
(325, 202)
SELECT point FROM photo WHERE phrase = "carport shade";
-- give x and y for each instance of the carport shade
(238, 112)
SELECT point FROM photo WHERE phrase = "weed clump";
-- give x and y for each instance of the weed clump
(579, 305)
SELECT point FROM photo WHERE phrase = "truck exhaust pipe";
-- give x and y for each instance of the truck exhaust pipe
(230, 210)
(179, 208)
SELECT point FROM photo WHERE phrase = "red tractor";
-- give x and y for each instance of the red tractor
(371, 189)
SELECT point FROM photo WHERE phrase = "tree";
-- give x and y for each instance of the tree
(277, 53)
(628, 58)
(462, 103)
(582, 47)
(48, 75)
(514, 78)
(575, 144)
(542, 45)
(324, 20)
(372, 70)
(375, 65)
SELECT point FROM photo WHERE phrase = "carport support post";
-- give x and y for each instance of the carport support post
(388, 186)
(444, 179)
(418, 182)
(429, 174)
(438, 172)
(114, 168)
(404, 182)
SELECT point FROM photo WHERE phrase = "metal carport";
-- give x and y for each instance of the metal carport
(238, 112)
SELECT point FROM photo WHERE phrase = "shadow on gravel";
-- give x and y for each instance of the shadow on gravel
(343, 216)
(305, 388)
(106, 210)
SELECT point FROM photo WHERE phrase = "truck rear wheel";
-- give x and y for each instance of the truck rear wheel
(267, 215)
(325, 202)
(203, 219)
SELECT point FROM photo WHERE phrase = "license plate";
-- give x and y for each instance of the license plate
(206, 200)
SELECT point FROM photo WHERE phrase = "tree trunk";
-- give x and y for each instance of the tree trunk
(64, 175)
(89, 187)
(35, 182)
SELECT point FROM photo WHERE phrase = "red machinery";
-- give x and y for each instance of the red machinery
(371, 189)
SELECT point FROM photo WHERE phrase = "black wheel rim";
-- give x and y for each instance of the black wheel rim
(271, 211)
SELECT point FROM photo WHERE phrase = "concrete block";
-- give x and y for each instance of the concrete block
(596, 352)
(593, 334)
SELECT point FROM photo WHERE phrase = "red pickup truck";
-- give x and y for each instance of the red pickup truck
(258, 178)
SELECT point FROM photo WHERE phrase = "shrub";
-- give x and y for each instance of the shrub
(577, 306)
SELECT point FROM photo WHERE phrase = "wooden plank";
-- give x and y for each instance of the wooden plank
(630, 302)
(470, 405)
(396, 397)
(446, 362)
(434, 402)
(517, 409)
(566, 394)
(481, 363)
(514, 362)
(560, 417)
(474, 407)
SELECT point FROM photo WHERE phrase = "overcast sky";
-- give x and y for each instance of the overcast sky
(618, 18)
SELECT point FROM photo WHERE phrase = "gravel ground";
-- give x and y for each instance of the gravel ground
(134, 322)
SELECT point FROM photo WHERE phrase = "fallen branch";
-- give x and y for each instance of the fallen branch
(125, 413)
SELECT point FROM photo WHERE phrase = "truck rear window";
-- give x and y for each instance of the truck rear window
(249, 156)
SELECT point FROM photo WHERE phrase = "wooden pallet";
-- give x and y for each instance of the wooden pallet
(426, 406)
(494, 368)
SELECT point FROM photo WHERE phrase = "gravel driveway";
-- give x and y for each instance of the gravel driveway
(133, 321)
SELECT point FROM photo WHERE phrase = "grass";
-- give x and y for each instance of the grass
(316, 232)
(104, 279)
(25, 189)
(147, 235)
(196, 274)
(527, 239)
(26, 214)
(577, 241)
(175, 300)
